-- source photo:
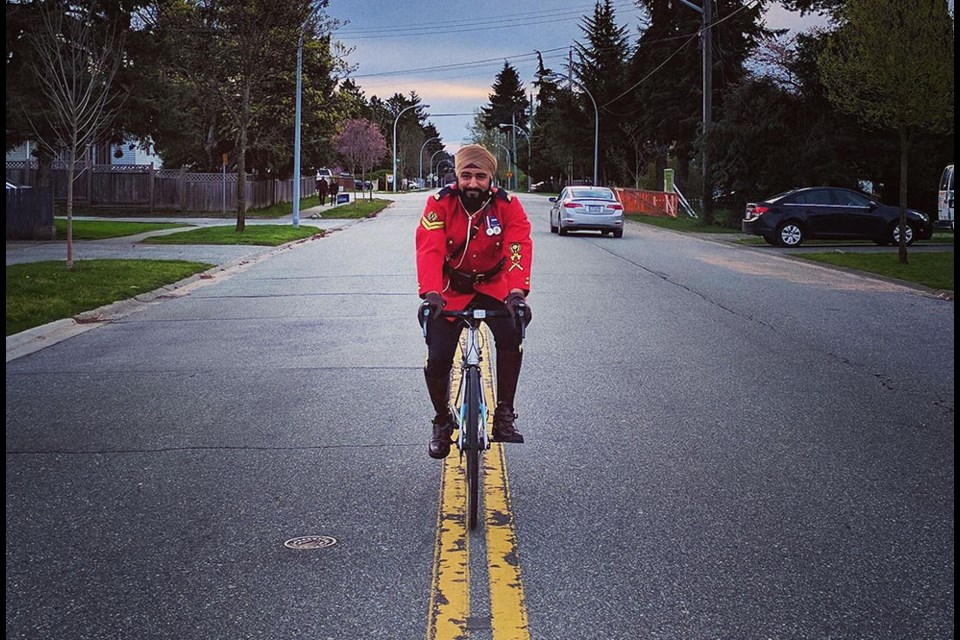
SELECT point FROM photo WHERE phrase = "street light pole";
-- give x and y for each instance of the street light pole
(395, 121)
(420, 157)
(506, 152)
(706, 12)
(430, 163)
(525, 135)
(596, 120)
(296, 135)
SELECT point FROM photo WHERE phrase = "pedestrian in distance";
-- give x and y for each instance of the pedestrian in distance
(322, 188)
(334, 190)
(473, 251)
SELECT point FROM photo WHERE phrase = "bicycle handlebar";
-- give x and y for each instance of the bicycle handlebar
(480, 314)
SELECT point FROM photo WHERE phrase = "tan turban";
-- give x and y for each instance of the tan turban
(473, 155)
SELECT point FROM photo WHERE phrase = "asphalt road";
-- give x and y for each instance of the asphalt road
(721, 443)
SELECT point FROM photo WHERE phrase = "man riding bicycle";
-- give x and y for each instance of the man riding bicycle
(473, 250)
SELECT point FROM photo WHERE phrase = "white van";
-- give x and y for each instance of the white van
(945, 199)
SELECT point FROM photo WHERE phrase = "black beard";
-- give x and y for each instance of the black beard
(472, 199)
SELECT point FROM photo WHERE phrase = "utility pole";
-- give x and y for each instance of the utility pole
(707, 110)
(707, 12)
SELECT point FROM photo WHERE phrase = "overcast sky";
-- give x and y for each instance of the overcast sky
(451, 52)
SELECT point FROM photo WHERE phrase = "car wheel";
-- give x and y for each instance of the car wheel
(789, 234)
(560, 228)
(553, 228)
(908, 232)
(618, 233)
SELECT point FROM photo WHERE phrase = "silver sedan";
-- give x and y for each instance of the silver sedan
(586, 209)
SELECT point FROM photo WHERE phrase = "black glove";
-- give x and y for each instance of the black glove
(514, 302)
(433, 302)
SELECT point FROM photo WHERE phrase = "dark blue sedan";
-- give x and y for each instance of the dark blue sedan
(830, 213)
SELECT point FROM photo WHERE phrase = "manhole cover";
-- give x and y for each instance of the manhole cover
(304, 543)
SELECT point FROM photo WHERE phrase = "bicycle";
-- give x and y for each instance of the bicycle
(470, 404)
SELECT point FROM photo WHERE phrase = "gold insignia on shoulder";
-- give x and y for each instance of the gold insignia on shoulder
(431, 222)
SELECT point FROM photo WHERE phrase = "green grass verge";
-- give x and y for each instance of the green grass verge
(362, 207)
(100, 229)
(685, 223)
(939, 237)
(270, 235)
(41, 292)
(356, 209)
(932, 269)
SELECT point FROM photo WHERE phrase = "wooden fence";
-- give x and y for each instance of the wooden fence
(141, 187)
(29, 214)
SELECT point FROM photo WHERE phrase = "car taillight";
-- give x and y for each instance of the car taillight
(571, 205)
(616, 207)
(758, 210)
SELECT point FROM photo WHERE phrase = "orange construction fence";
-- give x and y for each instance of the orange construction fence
(648, 203)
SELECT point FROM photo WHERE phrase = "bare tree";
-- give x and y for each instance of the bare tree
(75, 64)
(361, 145)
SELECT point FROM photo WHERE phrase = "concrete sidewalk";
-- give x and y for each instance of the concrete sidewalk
(226, 260)
(130, 247)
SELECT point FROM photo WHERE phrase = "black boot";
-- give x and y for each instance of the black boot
(508, 373)
(443, 422)
(504, 429)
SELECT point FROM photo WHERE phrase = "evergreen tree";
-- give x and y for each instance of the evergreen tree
(666, 71)
(508, 102)
(602, 69)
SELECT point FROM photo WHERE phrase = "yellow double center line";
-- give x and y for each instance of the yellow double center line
(450, 613)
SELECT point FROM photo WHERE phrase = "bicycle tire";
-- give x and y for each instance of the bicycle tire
(472, 446)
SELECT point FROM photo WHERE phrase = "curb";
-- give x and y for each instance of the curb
(37, 338)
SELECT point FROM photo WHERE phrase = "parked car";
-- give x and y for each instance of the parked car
(945, 199)
(830, 213)
(586, 208)
(362, 185)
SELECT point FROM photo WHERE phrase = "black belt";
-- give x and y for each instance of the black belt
(483, 276)
(460, 278)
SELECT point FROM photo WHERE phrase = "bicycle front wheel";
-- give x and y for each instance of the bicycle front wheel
(472, 446)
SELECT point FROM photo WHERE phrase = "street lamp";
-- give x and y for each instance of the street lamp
(705, 11)
(395, 121)
(596, 121)
(507, 153)
(430, 163)
(527, 136)
(420, 157)
(296, 132)
(442, 162)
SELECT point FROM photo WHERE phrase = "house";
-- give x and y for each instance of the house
(129, 152)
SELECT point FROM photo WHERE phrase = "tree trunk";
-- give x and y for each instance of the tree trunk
(904, 148)
(242, 180)
(70, 170)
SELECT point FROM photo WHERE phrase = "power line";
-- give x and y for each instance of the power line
(458, 26)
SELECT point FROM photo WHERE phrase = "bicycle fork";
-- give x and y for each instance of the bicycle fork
(472, 364)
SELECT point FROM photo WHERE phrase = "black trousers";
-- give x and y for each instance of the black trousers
(443, 335)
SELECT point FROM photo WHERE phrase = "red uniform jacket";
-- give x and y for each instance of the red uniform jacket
(443, 231)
